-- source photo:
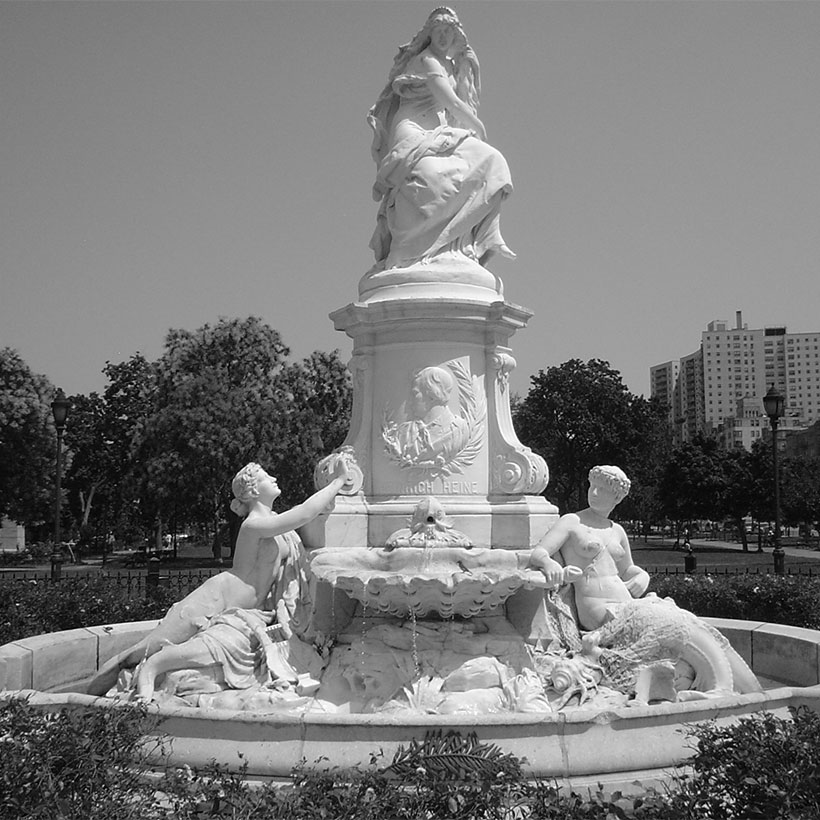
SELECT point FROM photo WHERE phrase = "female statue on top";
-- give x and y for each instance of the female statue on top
(440, 184)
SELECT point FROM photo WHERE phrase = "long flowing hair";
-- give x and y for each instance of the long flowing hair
(467, 76)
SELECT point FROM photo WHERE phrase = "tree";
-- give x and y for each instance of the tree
(581, 414)
(646, 461)
(320, 396)
(800, 494)
(693, 481)
(761, 489)
(27, 442)
(226, 395)
(739, 478)
(85, 440)
(129, 397)
(217, 405)
(101, 438)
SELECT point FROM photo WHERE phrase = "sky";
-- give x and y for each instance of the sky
(167, 163)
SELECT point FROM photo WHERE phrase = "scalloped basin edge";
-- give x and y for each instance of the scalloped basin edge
(463, 581)
(578, 749)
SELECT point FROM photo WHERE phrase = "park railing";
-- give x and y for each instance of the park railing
(182, 581)
(809, 570)
(137, 582)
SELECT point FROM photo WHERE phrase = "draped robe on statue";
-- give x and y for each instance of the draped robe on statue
(440, 190)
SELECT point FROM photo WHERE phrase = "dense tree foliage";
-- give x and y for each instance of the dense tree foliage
(159, 447)
(218, 395)
(692, 482)
(700, 480)
(156, 450)
(320, 401)
(225, 395)
(739, 484)
(27, 442)
(101, 436)
(580, 414)
(800, 498)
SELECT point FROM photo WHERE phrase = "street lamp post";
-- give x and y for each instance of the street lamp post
(774, 404)
(59, 409)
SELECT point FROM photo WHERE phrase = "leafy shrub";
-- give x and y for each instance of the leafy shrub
(71, 764)
(762, 768)
(39, 551)
(34, 607)
(785, 599)
(546, 802)
(77, 764)
(14, 559)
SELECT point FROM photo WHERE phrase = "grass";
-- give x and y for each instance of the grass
(717, 556)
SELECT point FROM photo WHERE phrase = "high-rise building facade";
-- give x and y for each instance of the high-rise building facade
(663, 385)
(733, 368)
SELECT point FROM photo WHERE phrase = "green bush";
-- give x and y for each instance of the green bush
(72, 764)
(782, 599)
(760, 768)
(77, 764)
(34, 607)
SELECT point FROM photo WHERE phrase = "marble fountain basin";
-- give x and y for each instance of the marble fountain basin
(417, 581)
(579, 748)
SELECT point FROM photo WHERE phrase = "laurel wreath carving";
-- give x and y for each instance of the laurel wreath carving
(472, 408)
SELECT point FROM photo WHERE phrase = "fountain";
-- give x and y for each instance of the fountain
(429, 597)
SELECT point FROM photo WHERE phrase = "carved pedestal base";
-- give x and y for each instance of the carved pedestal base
(500, 522)
(431, 417)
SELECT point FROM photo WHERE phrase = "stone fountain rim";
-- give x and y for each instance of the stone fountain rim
(62, 692)
(578, 750)
(711, 705)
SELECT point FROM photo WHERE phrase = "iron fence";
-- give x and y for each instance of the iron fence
(809, 570)
(137, 582)
(182, 581)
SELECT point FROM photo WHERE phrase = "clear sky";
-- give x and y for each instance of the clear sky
(163, 164)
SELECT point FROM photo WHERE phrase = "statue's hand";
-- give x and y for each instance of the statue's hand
(553, 571)
(572, 574)
(636, 581)
(341, 470)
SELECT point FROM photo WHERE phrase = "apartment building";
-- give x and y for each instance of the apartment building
(719, 388)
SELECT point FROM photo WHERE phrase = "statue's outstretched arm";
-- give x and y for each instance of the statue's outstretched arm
(541, 557)
(302, 513)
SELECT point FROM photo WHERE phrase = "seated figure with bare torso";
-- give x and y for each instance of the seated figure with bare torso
(264, 542)
(642, 646)
(595, 550)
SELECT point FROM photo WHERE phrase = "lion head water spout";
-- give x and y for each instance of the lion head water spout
(429, 527)
(426, 568)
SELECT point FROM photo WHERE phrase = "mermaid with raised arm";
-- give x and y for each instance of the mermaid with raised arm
(263, 544)
(439, 182)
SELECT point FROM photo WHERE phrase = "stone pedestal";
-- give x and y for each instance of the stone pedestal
(431, 412)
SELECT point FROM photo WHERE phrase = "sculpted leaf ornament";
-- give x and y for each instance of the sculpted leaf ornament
(433, 439)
